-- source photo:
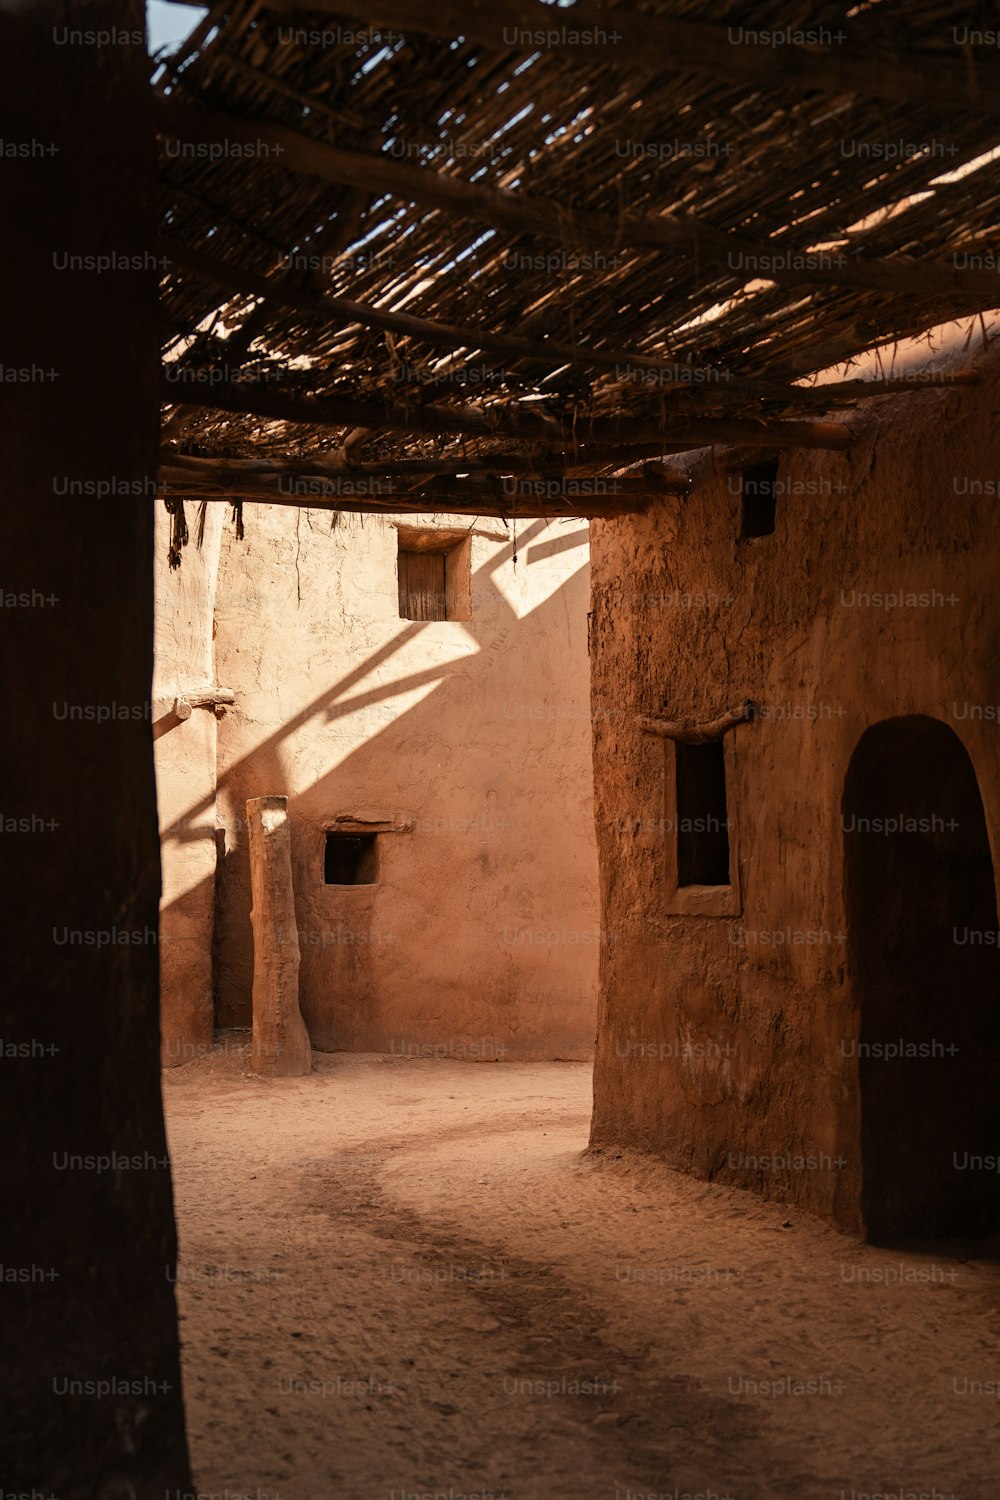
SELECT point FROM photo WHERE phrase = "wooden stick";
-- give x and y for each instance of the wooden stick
(202, 698)
(890, 385)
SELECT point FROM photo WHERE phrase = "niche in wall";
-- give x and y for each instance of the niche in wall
(758, 499)
(350, 859)
(349, 849)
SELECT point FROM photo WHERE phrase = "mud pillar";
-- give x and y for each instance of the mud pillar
(280, 1040)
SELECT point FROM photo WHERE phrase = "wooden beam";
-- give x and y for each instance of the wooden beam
(889, 385)
(829, 59)
(482, 489)
(512, 420)
(554, 495)
(392, 502)
(208, 467)
(200, 387)
(202, 133)
(516, 477)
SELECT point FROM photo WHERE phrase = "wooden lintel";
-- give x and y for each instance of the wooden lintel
(698, 732)
(370, 822)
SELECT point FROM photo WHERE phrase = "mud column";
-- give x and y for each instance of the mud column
(280, 1041)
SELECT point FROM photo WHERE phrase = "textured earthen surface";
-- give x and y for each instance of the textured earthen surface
(280, 1041)
(466, 741)
(531, 1320)
(729, 1041)
(91, 1381)
(185, 752)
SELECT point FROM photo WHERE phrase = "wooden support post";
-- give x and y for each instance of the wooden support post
(281, 1045)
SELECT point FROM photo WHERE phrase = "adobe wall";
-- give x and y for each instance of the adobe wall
(717, 1039)
(480, 936)
(185, 754)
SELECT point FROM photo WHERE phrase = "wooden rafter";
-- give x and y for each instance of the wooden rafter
(490, 488)
(371, 498)
(838, 60)
(548, 352)
(735, 259)
(672, 376)
(522, 422)
(225, 470)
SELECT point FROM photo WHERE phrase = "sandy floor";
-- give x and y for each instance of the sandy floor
(402, 1277)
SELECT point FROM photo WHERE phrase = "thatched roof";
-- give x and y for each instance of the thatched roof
(439, 242)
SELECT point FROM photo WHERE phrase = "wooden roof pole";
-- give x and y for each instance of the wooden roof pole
(678, 376)
(202, 130)
(509, 421)
(834, 62)
(549, 352)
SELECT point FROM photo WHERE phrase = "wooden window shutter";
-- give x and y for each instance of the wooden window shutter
(422, 585)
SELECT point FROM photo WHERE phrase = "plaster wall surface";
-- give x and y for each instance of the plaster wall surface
(467, 741)
(185, 756)
(725, 1041)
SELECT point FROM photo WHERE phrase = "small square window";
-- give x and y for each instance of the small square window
(759, 500)
(350, 859)
(435, 574)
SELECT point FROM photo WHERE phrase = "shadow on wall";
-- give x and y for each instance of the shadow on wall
(480, 934)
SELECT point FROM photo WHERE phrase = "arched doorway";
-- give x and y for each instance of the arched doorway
(924, 957)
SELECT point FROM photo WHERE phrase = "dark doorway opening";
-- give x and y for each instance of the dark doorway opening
(923, 955)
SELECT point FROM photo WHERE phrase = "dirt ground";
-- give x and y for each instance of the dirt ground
(402, 1278)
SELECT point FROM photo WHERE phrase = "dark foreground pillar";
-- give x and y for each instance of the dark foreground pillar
(92, 1400)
